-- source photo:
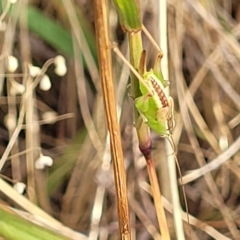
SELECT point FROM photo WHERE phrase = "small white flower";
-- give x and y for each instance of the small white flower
(49, 117)
(12, 63)
(45, 83)
(10, 121)
(43, 161)
(16, 88)
(19, 187)
(33, 70)
(60, 65)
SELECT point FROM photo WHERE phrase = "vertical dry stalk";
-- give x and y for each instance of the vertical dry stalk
(104, 55)
(31, 130)
(157, 196)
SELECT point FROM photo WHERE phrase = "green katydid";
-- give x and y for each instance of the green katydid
(156, 107)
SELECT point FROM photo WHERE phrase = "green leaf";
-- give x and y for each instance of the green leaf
(50, 31)
(13, 227)
(129, 15)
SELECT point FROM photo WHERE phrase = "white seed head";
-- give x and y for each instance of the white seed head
(61, 71)
(43, 161)
(12, 63)
(16, 88)
(49, 117)
(45, 83)
(59, 59)
(10, 121)
(19, 187)
(60, 65)
(33, 70)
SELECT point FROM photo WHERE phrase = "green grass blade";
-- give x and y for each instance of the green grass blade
(13, 227)
(129, 15)
(50, 31)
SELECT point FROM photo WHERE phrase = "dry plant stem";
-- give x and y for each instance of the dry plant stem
(11, 100)
(104, 55)
(32, 129)
(157, 199)
(7, 45)
(12, 113)
(172, 160)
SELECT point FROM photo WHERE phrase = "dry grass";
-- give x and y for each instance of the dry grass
(78, 190)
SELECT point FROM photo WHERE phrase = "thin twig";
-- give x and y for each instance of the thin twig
(213, 164)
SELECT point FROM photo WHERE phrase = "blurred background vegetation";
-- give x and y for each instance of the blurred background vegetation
(67, 122)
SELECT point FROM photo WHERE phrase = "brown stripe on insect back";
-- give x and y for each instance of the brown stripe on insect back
(160, 92)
